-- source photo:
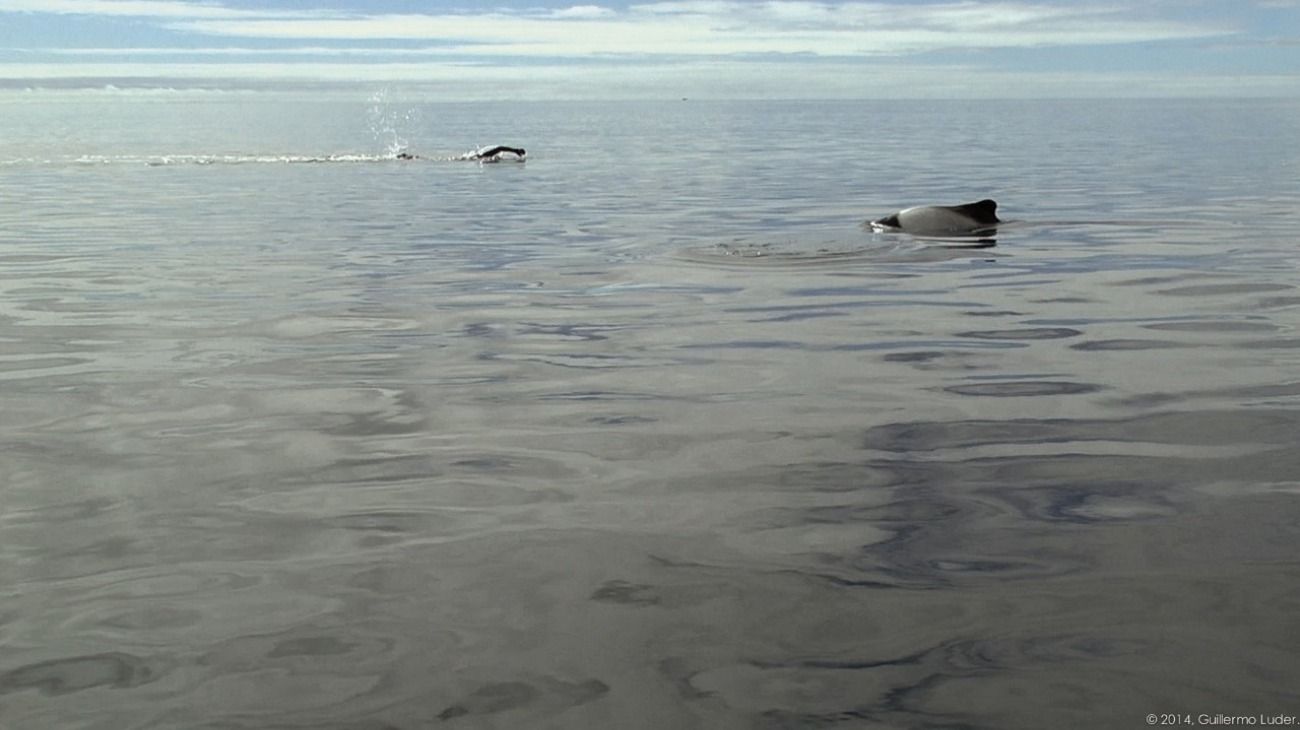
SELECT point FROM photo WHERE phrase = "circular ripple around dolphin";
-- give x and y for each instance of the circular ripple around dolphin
(1022, 388)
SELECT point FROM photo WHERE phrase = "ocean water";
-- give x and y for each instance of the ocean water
(648, 431)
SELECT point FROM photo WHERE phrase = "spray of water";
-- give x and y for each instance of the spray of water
(389, 124)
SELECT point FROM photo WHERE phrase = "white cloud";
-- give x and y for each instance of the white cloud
(663, 49)
(582, 11)
(677, 28)
(963, 15)
(717, 27)
(356, 51)
(142, 9)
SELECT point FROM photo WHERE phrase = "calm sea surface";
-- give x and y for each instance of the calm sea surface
(647, 432)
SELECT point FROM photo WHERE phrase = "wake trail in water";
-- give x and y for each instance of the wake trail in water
(234, 159)
(389, 125)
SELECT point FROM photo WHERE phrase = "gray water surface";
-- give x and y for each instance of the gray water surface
(647, 432)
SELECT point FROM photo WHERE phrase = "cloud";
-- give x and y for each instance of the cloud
(670, 48)
(143, 9)
(720, 27)
(673, 28)
(216, 51)
(582, 11)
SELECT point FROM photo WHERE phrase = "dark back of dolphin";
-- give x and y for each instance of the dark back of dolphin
(983, 211)
(493, 151)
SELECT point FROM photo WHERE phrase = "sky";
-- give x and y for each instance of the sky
(663, 49)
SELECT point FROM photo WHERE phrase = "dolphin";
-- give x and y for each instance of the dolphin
(969, 219)
(482, 154)
(492, 154)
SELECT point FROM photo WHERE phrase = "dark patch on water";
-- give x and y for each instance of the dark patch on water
(748, 345)
(311, 646)
(1209, 290)
(1088, 504)
(1023, 388)
(1213, 325)
(484, 463)
(578, 332)
(1028, 333)
(113, 670)
(620, 420)
(491, 698)
(1272, 425)
(907, 510)
(994, 313)
(547, 694)
(620, 591)
(1126, 345)
(914, 356)
(1280, 343)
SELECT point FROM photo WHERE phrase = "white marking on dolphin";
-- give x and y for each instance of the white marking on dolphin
(969, 219)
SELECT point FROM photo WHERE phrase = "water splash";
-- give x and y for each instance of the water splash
(388, 124)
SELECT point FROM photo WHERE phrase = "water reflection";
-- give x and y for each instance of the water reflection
(279, 457)
(832, 250)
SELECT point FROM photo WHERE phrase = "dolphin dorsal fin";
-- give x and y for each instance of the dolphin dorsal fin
(983, 211)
